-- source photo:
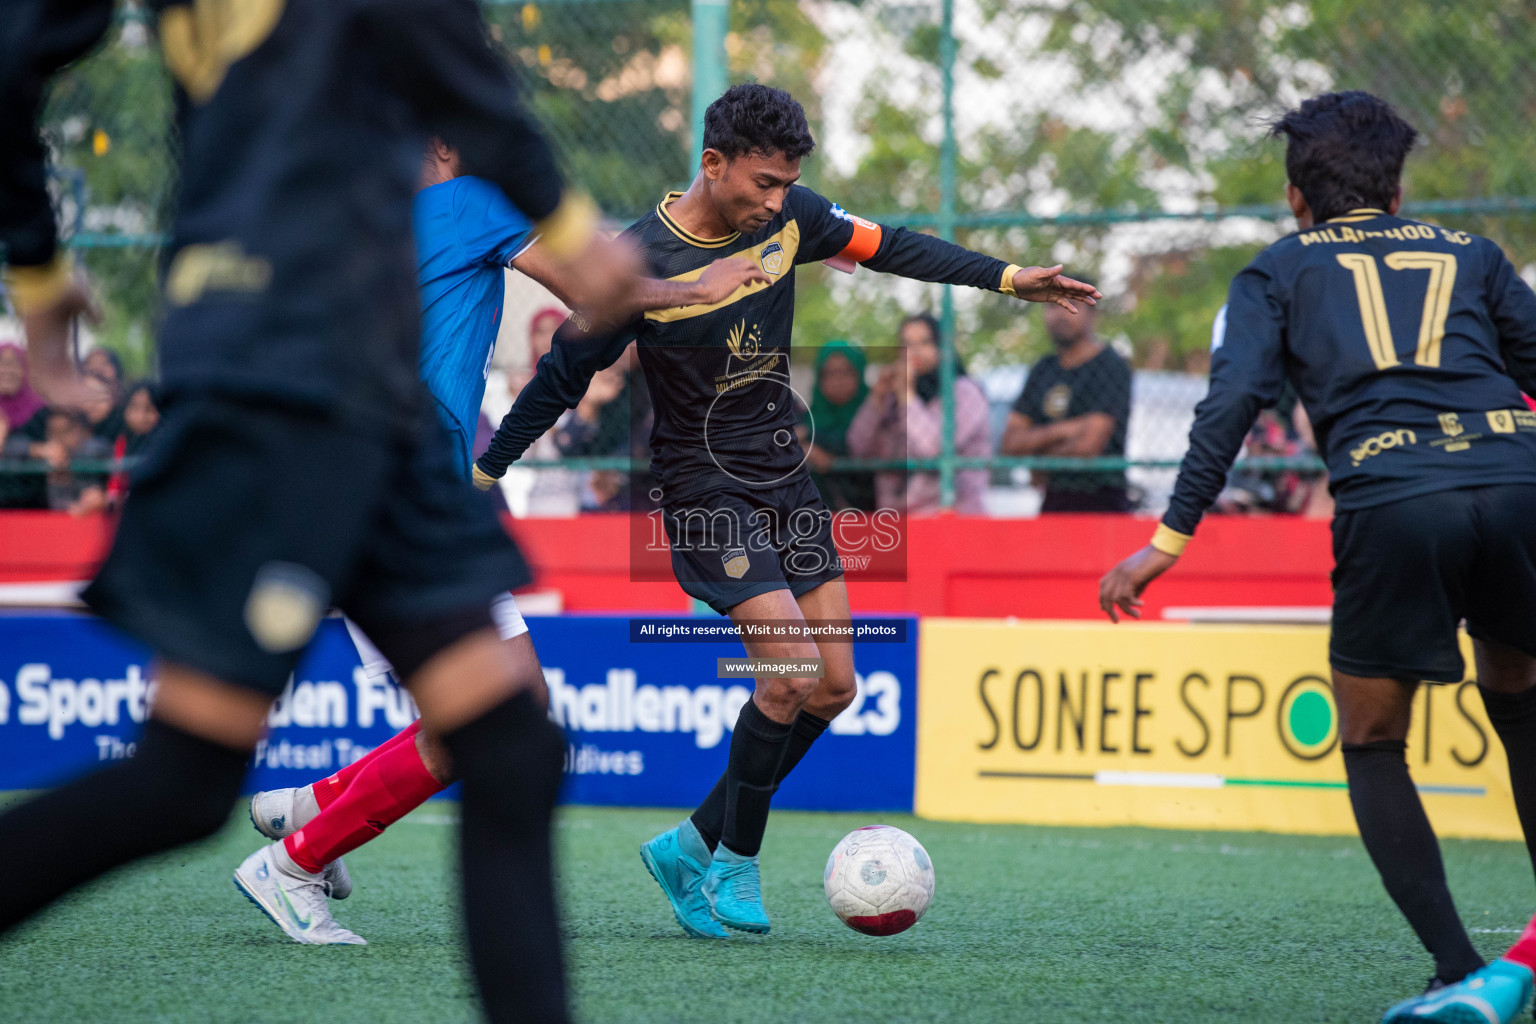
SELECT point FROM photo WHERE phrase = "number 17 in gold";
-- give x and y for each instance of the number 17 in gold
(1373, 304)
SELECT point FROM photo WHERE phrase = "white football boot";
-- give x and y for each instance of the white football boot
(279, 813)
(293, 898)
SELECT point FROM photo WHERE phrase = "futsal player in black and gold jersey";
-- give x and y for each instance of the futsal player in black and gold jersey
(1409, 345)
(747, 530)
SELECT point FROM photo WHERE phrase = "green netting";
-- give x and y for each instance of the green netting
(1123, 137)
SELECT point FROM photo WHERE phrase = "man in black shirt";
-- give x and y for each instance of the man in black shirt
(1075, 404)
(299, 463)
(747, 530)
(1409, 345)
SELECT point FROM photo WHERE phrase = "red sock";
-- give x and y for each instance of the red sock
(328, 789)
(1524, 949)
(390, 784)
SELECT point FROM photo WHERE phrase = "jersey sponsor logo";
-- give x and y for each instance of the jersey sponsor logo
(1057, 401)
(772, 259)
(218, 267)
(1501, 421)
(1450, 424)
(736, 563)
(1380, 443)
(744, 344)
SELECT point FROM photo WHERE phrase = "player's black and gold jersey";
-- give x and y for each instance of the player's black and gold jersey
(291, 270)
(1409, 345)
(719, 375)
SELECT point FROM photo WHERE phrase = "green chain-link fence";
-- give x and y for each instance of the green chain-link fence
(1123, 138)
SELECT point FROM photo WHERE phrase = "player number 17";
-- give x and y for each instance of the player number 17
(1373, 304)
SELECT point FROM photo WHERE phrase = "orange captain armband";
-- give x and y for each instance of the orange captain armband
(1169, 541)
(864, 243)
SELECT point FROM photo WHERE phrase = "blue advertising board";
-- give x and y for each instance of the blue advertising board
(647, 722)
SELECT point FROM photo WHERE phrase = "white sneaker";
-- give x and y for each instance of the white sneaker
(337, 880)
(293, 898)
(279, 813)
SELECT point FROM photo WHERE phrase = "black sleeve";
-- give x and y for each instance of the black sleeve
(827, 230)
(1512, 305)
(438, 56)
(1247, 374)
(37, 38)
(560, 381)
(926, 258)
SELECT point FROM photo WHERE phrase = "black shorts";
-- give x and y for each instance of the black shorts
(741, 541)
(246, 523)
(1407, 573)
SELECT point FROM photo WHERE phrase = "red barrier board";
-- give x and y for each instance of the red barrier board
(1046, 568)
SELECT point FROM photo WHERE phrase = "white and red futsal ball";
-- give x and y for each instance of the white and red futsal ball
(879, 880)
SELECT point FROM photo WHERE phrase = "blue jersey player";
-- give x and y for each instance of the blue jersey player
(1409, 345)
(467, 233)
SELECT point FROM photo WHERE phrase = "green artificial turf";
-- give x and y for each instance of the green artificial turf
(1029, 924)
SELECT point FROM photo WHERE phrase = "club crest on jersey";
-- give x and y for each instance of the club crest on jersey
(1450, 423)
(736, 563)
(772, 258)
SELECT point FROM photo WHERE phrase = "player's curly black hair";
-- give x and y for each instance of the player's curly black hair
(1345, 151)
(755, 118)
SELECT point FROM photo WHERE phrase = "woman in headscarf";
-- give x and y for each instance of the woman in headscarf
(839, 392)
(141, 415)
(904, 418)
(18, 402)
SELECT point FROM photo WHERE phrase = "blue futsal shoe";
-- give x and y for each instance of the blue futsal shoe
(1494, 995)
(734, 890)
(678, 859)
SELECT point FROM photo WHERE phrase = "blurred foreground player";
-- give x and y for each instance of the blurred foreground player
(747, 530)
(298, 463)
(466, 232)
(1409, 345)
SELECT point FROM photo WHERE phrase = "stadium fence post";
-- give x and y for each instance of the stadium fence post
(711, 21)
(947, 232)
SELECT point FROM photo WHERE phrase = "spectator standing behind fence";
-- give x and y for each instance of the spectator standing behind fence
(141, 415)
(903, 417)
(839, 394)
(1075, 404)
(554, 492)
(18, 402)
(53, 483)
(106, 366)
(103, 414)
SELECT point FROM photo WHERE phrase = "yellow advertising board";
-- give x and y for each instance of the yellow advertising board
(1173, 726)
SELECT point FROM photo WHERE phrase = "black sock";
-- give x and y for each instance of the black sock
(709, 819)
(178, 788)
(511, 761)
(1402, 845)
(1514, 718)
(757, 750)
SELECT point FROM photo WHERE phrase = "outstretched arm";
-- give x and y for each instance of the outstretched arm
(1246, 375)
(830, 233)
(562, 378)
(926, 258)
